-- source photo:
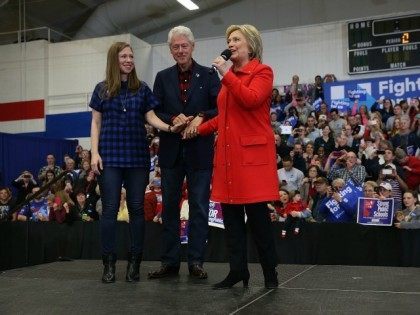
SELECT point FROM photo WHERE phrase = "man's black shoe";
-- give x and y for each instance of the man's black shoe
(197, 272)
(164, 271)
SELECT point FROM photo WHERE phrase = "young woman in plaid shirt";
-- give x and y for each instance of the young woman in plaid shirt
(121, 105)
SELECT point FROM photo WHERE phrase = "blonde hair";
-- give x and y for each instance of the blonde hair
(113, 72)
(253, 37)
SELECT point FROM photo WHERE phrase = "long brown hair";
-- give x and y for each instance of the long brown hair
(113, 74)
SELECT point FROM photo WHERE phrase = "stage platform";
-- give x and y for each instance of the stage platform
(74, 287)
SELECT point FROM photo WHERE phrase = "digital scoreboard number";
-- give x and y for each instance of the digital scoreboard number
(384, 44)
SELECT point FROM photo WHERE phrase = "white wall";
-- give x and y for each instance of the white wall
(75, 68)
(23, 69)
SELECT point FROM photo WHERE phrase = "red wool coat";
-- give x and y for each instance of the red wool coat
(244, 168)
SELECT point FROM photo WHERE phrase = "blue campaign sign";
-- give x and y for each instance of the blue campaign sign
(317, 104)
(349, 196)
(372, 211)
(367, 91)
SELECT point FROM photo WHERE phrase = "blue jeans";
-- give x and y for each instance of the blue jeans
(110, 181)
(198, 199)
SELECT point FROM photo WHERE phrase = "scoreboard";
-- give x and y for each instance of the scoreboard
(384, 44)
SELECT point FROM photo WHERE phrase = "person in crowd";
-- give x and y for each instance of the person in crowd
(24, 185)
(352, 142)
(84, 170)
(405, 139)
(50, 166)
(295, 87)
(389, 173)
(193, 98)
(59, 212)
(363, 115)
(82, 210)
(311, 129)
(88, 185)
(346, 167)
(323, 194)
(384, 107)
(299, 161)
(357, 129)
(307, 186)
(6, 204)
(153, 201)
(326, 141)
(398, 113)
(35, 210)
(277, 206)
(370, 189)
(323, 110)
(295, 212)
(309, 154)
(121, 104)
(49, 176)
(78, 155)
(343, 212)
(275, 124)
(282, 149)
(410, 216)
(411, 166)
(336, 123)
(278, 105)
(318, 90)
(374, 130)
(289, 177)
(303, 108)
(385, 190)
(244, 150)
(72, 172)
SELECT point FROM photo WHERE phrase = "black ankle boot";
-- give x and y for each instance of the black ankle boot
(233, 278)
(133, 267)
(270, 278)
(109, 268)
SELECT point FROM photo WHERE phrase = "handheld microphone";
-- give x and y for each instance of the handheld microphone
(225, 55)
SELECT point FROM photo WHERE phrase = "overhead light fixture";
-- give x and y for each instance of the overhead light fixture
(188, 4)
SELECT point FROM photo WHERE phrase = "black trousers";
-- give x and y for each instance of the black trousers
(236, 236)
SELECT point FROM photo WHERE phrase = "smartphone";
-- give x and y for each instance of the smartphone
(380, 152)
(387, 171)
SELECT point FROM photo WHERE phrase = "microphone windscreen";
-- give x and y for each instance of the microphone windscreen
(226, 54)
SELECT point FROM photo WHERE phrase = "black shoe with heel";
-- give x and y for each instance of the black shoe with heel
(108, 275)
(133, 268)
(270, 278)
(233, 278)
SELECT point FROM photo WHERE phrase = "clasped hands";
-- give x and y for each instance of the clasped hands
(187, 125)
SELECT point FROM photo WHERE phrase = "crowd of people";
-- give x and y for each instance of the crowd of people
(75, 196)
(319, 149)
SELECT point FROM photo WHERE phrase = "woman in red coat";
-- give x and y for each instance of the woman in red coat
(244, 171)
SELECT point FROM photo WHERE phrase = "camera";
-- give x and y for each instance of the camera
(380, 152)
(387, 171)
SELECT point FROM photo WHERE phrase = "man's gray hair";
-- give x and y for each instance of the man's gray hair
(180, 31)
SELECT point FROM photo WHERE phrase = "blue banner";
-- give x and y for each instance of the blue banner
(372, 211)
(349, 196)
(367, 91)
(317, 104)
